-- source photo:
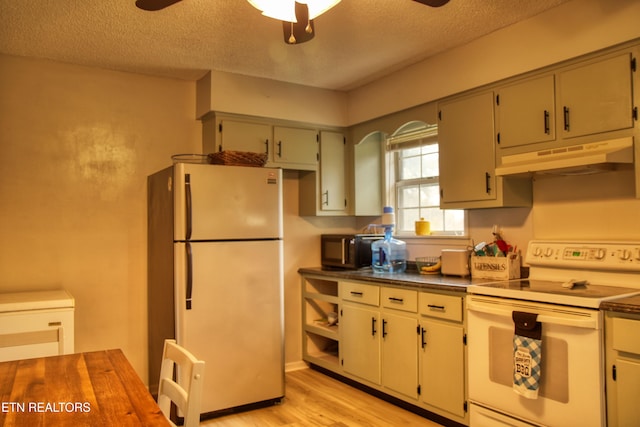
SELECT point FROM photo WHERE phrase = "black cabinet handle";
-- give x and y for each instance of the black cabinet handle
(436, 307)
(394, 299)
(547, 129)
(487, 182)
(566, 118)
(279, 148)
(266, 145)
(423, 338)
(373, 327)
(384, 329)
(356, 294)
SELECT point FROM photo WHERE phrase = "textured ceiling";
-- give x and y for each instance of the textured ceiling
(356, 41)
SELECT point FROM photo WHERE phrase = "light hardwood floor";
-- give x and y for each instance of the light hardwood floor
(315, 399)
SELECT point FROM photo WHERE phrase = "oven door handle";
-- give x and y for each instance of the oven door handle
(561, 316)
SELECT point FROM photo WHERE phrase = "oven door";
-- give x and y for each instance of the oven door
(571, 386)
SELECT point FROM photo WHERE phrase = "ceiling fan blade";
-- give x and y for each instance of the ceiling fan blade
(433, 3)
(153, 5)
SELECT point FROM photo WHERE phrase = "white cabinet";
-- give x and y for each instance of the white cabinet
(468, 157)
(288, 147)
(295, 148)
(360, 330)
(332, 171)
(244, 136)
(400, 341)
(442, 360)
(622, 369)
(586, 98)
(36, 324)
(368, 176)
(525, 112)
(325, 192)
(405, 343)
(596, 97)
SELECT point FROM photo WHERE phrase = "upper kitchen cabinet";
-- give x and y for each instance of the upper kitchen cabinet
(525, 112)
(332, 171)
(288, 147)
(597, 96)
(325, 192)
(368, 175)
(468, 159)
(295, 148)
(244, 136)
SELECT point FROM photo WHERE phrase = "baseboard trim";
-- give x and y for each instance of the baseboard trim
(295, 366)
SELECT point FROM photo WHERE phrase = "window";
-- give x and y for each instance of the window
(415, 185)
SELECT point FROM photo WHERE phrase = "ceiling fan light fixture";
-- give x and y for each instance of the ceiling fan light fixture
(284, 10)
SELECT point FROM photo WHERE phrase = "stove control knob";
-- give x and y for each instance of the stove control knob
(625, 254)
(548, 252)
(537, 251)
(637, 254)
(600, 253)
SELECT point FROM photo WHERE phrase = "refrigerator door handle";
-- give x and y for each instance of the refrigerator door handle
(187, 193)
(189, 287)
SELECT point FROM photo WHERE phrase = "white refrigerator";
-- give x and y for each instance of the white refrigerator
(215, 278)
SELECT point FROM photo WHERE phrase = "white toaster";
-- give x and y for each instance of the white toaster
(455, 262)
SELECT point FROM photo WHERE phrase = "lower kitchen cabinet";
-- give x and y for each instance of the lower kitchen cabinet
(361, 342)
(623, 369)
(406, 343)
(443, 353)
(360, 330)
(400, 341)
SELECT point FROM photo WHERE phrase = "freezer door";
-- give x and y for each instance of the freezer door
(213, 202)
(235, 323)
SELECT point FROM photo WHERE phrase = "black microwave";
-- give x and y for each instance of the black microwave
(347, 251)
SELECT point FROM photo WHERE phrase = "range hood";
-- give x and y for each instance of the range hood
(572, 160)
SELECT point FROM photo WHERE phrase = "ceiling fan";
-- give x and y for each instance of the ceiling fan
(294, 32)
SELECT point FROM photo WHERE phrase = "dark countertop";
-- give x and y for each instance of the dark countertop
(409, 279)
(630, 305)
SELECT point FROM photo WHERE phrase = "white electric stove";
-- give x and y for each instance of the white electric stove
(568, 281)
(580, 274)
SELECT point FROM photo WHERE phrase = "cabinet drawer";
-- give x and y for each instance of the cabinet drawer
(441, 306)
(359, 292)
(399, 299)
(625, 335)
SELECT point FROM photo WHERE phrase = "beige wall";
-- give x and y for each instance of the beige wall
(76, 146)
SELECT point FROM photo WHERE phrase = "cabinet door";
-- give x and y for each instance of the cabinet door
(628, 390)
(400, 354)
(368, 176)
(442, 380)
(244, 136)
(467, 153)
(332, 171)
(360, 342)
(296, 147)
(596, 98)
(525, 112)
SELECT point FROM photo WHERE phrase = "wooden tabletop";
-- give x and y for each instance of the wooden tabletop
(85, 389)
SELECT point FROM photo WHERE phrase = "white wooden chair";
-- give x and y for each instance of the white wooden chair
(186, 391)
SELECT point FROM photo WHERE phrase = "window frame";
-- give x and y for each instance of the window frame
(414, 135)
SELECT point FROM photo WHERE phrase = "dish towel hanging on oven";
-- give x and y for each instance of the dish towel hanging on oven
(527, 352)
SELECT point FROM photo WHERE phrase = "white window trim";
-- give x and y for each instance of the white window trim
(411, 135)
